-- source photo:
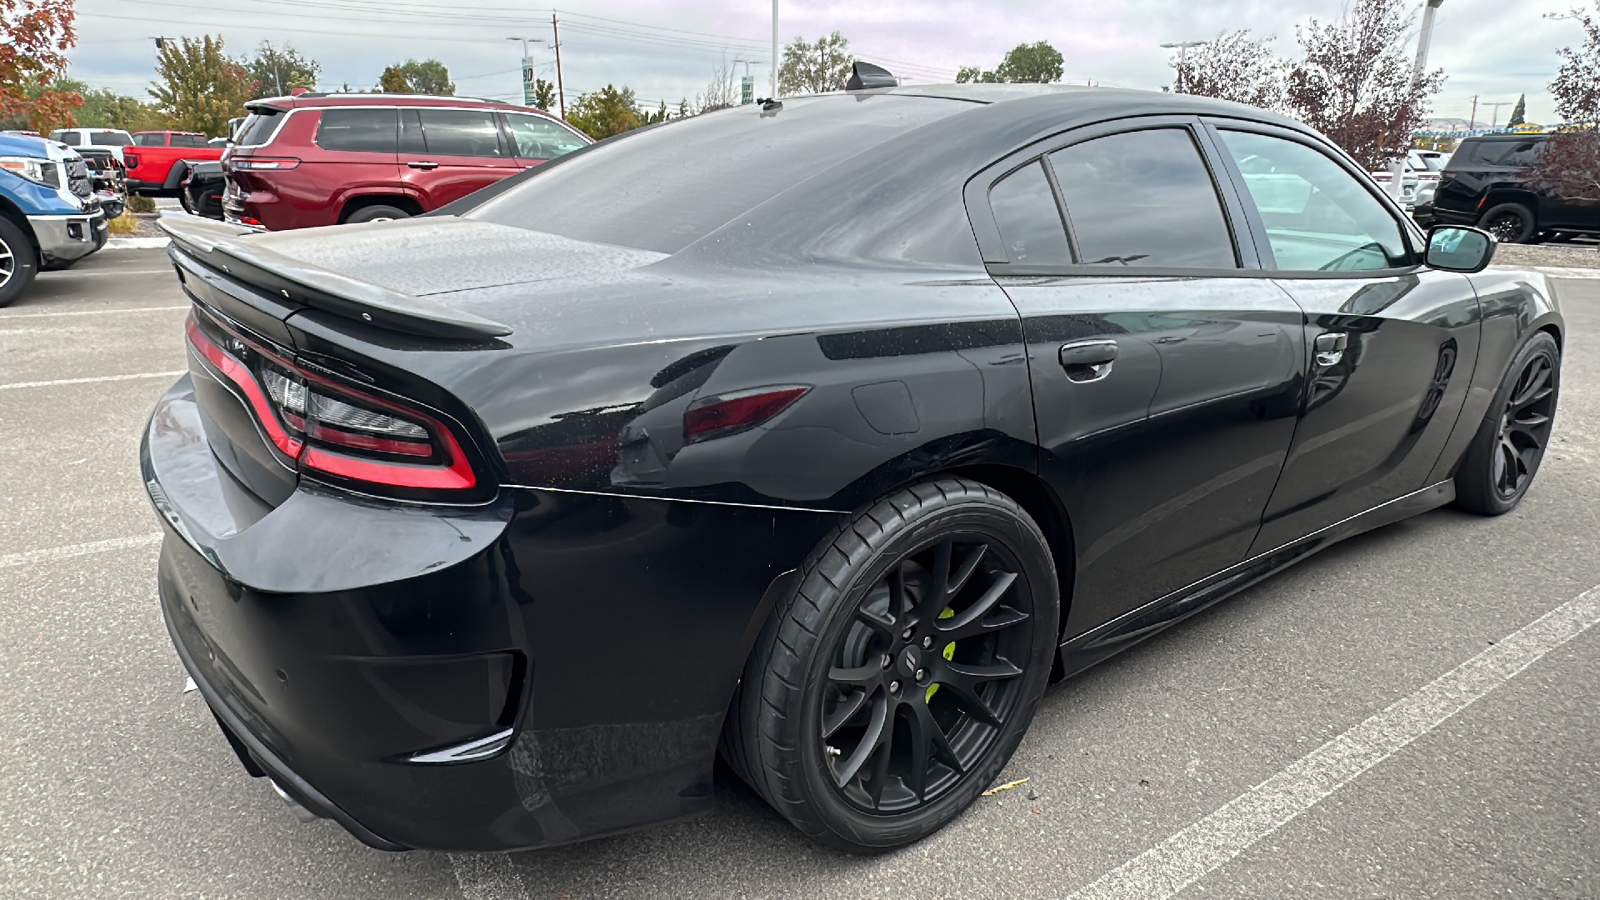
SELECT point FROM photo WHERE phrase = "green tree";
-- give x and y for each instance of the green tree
(603, 113)
(1035, 63)
(428, 76)
(35, 36)
(105, 108)
(653, 117)
(544, 94)
(1519, 113)
(277, 72)
(815, 68)
(199, 87)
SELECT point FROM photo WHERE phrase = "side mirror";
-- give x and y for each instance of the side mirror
(1457, 248)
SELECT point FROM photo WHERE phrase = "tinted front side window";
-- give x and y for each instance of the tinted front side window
(460, 132)
(1317, 215)
(150, 140)
(1143, 198)
(358, 130)
(534, 137)
(1030, 224)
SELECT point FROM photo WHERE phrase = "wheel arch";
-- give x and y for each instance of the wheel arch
(1518, 195)
(12, 212)
(353, 202)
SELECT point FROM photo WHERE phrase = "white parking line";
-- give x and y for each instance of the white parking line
(1191, 854)
(88, 312)
(486, 876)
(50, 554)
(116, 272)
(62, 381)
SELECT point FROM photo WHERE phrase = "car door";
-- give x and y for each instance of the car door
(447, 153)
(1165, 367)
(537, 139)
(1392, 343)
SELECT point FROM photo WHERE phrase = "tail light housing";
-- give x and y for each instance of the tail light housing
(350, 436)
(130, 160)
(264, 164)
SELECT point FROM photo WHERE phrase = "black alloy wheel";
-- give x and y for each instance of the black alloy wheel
(890, 688)
(1505, 455)
(923, 680)
(1510, 223)
(17, 265)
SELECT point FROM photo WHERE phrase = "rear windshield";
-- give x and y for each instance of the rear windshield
(665, 188)
(258, 127)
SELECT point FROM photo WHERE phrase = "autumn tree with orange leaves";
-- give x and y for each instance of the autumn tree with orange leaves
(35, 36)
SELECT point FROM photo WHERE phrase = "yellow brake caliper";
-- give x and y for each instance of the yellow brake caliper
(949, 653)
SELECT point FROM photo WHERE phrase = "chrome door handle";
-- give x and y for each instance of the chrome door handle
(1330, 348)
(423, 164)
(1088, 360)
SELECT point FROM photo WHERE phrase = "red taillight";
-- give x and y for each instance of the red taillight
(733, 412)
(336, 430)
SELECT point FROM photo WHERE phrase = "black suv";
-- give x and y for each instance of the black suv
(1488, 183)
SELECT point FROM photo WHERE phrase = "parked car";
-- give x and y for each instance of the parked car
(49, 216)
(323, 159)
(114, 139)
(821, 430)
(202, 188)
(1488, 183)
(160, 158)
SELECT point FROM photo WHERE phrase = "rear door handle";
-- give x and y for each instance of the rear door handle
(423, 164)
(1088, 360)
(1330, 347)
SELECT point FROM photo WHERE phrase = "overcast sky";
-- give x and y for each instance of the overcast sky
(667, 49)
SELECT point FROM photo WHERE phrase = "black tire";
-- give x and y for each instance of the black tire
(19, 263)
(814, 643)
(1505, 453)
(1510, 223)
(376, 214)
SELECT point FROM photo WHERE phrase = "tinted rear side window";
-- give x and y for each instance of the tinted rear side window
(460, 132)
(359, 130)
(1030, 222)
(1143, 198)
(109, 139)
(188, 140)
(258, 128)
(150, 140)
(70, 138)
(664, 188)
(1500, 153)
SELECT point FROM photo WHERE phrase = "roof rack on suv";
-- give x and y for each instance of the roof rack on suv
(317, 95)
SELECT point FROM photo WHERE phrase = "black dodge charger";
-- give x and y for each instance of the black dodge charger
(821, 434)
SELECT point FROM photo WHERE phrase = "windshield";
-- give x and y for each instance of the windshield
(665, 188)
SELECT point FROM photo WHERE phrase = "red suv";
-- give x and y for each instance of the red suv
(324, 159)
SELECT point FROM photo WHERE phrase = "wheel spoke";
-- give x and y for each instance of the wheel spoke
(860, 676)
(963, 680)
(875, 620)
(879, 776)
(1500, 464)
(1531, 383)
(899, 601)
(845, 712)
(968, 566)
(969, 621)
(869, 742)
(928, 743)
(935, 600)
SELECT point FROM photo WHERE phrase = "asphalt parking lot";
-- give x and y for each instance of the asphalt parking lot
(1392, 718)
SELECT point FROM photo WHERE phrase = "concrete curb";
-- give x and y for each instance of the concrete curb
(136, 243)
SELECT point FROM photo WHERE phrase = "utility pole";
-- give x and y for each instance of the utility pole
(1472, 123)
(1183, 51)
(774, 48)
(555, 41)
(277, 75)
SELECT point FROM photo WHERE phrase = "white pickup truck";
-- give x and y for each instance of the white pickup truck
(114, 139)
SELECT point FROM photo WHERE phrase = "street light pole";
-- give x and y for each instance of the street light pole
(1397, 166)
(1183, 53)
(527, 68)
(774, 48)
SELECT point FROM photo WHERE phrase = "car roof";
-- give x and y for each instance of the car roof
(1508, 136)
(323, 100)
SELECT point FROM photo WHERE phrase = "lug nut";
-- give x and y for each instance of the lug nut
(887, 660)
(905, 635)
(894, 687)
(927, 642)
(921, 674)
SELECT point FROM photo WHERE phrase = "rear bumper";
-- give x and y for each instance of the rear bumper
(539, 671)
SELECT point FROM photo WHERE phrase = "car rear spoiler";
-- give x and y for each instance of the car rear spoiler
(227, 249)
